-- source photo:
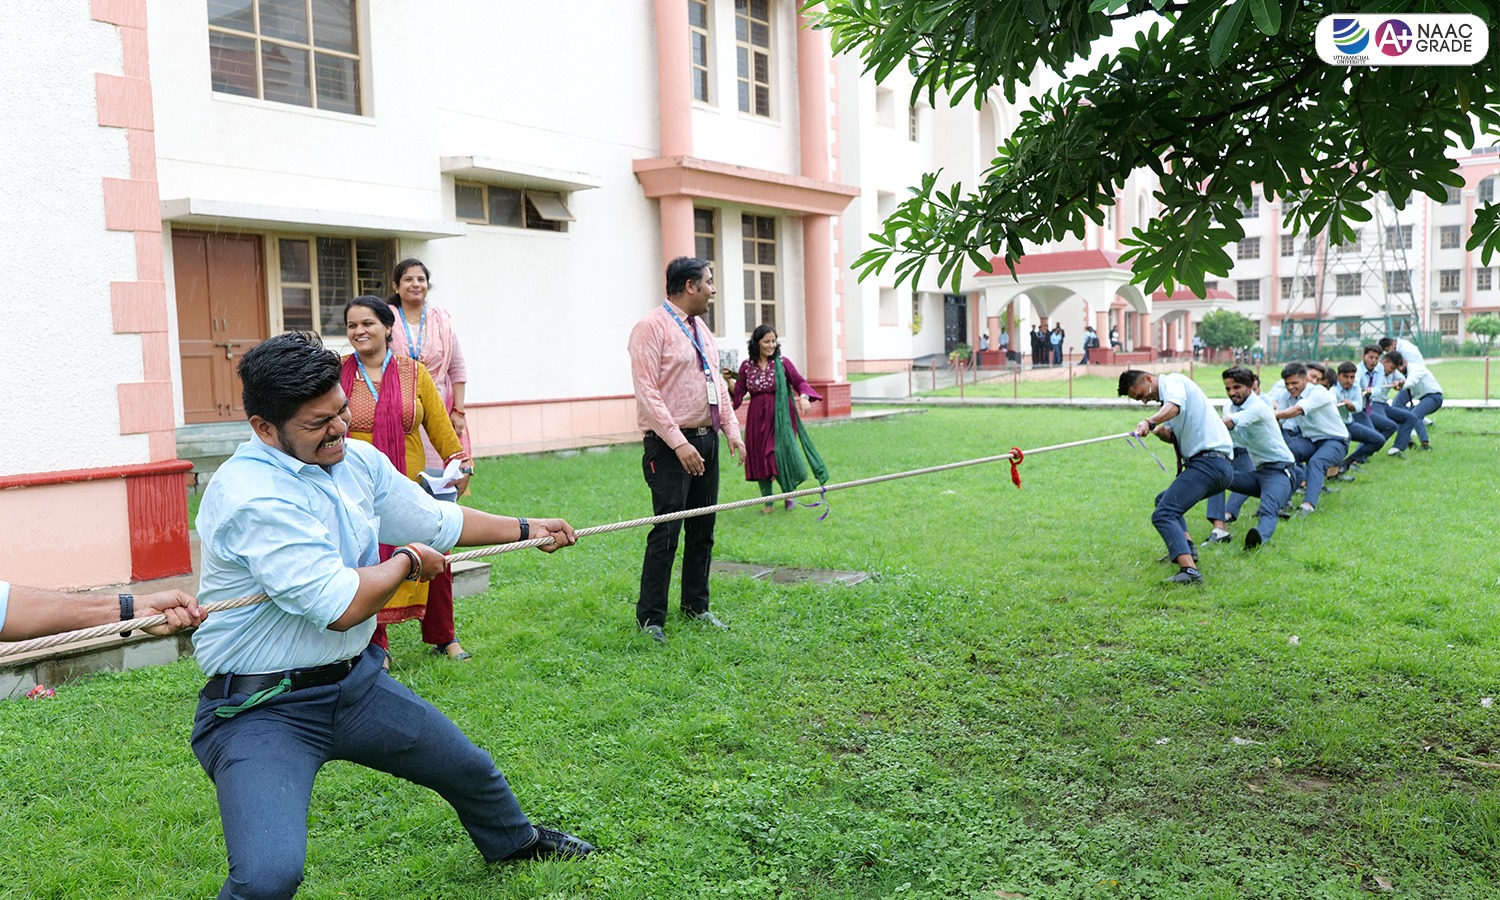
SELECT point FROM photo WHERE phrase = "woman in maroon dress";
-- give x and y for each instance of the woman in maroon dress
(757, 377)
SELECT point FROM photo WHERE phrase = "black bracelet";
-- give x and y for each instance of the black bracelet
(413, 568)
(525, 529)
(127, 610)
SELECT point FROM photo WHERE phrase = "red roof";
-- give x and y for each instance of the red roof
(1182, 295)
(1062, 261)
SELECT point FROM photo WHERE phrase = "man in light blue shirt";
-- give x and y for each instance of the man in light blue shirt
(27, 612)
(297, 513)
(1203, 449)
(1423, 387)
(1376, 386)
(1350, 400)
(1252, 425)
(1324, 441)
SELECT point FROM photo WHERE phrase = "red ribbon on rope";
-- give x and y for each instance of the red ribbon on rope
(1016, 458)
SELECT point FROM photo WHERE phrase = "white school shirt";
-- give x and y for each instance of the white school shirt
(1197, 425)
(1320, 420)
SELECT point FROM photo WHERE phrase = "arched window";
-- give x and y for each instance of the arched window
(1487, 190)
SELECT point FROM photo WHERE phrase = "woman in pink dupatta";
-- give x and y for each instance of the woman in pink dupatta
(424, 333)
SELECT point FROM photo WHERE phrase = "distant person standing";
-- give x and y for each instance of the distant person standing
(1114, 338)
(1005, 345)
(1056, 340)
(1090, 341)
(682, 403)
(1038, 344)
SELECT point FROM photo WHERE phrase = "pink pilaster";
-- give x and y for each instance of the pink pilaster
(817, 230)
(674, 120)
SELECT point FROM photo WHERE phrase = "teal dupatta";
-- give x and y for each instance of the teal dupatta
(795, 453)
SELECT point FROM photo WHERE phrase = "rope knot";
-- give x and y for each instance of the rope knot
(1017, 456)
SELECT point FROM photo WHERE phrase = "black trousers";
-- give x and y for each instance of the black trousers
(674, 490)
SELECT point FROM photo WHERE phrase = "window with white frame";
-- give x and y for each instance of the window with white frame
(1448, 324)
(1247, 290)
(1448, 280)
(1487, 190)
(752, 37)
(706, 246)
(698, 49)
(1398, 282)
(1484, 278)
(1453, 196)
(758, 239)
(1287, 283)
(301, 52)
(1249, 248)
(1309, 285)
(316, 276)
(1449, 236)
(513, 207)
(1249, 212)
(1346, 284)
(1288, 245)
(1353, 244)
(1210, 284)
(1398, 236)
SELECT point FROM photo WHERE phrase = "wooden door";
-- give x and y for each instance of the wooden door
(221, 313)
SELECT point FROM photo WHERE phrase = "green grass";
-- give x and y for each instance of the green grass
(1014, 704)
(1462, 379)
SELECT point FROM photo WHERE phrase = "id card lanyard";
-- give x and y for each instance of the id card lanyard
(692, 335)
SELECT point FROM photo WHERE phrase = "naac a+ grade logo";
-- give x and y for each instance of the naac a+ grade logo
(1415, 39)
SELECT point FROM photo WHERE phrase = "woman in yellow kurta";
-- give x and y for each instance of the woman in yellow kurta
(392, 400)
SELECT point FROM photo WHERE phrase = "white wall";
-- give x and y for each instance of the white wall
(54, 155)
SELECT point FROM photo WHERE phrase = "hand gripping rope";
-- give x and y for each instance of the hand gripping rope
(1014, 456)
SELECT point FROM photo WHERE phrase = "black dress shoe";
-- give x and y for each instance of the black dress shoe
(550, 844)
(1252, 539)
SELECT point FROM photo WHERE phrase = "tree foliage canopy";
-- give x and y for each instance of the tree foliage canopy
(1219, 98)
(1487, 327)
(1227, 329)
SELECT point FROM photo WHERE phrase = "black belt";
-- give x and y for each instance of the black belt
(690, 430)
(221, 686)
(1273, 467)
(1219, 453)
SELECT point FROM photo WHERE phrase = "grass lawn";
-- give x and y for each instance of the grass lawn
(1462, 379)
(1014, 706)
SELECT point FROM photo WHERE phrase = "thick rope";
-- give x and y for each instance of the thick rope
(1014, 456)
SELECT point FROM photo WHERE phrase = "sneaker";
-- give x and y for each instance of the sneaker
(708, 618)
(655, 633)
(1344, 476)
(1185, 576)
(1303, 511)
(1425, 448)
(1285, 512)
(1427, 421)
(553, 844)
(1218, 536)
(1252, 539)
(1399, 454)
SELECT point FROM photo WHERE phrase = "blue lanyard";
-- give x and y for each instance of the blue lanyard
(366, 375)
(692, 335)
(415, 350)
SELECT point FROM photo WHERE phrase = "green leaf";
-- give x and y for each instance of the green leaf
(1226, 32)
(1267, 14)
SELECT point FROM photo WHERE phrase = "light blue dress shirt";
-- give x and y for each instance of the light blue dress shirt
(4, 601)
(1415, 365)
(1256, 429)
(1197, 425)
(1376, 380)
(1320, 419)
(1422, 383)
(1354, 395)
(295, 531)
(1278, 398)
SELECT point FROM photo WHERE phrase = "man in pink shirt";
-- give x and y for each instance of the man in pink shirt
(681, 404)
